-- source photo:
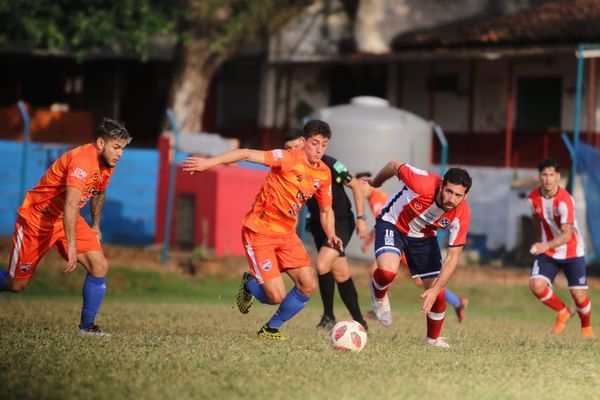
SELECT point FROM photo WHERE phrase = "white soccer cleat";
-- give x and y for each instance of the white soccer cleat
(439, 342)
(93, 330)
(382, 309)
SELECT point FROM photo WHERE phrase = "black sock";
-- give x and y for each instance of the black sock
(327, 289)
(350, 299)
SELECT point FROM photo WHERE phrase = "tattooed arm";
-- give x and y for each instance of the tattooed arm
(96, 204)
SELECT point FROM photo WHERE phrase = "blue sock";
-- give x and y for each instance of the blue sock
(293, 303)
(3, 277)
(452, 298)
(93, 293)
(257, 291)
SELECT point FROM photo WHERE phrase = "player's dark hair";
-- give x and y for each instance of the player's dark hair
(548, 163)
(363, 175)
(458, 176)
(316, 127)
(110, 129)
(292, 134)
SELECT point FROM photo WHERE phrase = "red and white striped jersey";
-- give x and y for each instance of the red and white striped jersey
(414, 211)
(552, 213)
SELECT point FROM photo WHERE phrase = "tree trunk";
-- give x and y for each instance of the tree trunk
(194, 70)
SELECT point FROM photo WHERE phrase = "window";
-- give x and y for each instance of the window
(538, 103)
(357, 80)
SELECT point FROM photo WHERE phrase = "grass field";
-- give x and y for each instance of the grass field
(181, 338)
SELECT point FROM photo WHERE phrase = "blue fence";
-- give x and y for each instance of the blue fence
(589, 168)
(128, 216)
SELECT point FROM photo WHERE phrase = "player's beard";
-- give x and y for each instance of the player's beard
(104, 160)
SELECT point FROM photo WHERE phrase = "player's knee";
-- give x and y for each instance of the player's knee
(537, 286)
(307, 288)
(276, 297)
(100, 268)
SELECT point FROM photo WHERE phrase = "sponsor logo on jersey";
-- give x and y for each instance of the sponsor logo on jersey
(95, 177)
(266, 265)
(79, 174)
(299, 178)
(444, 222)
(24, 267)
(418, 206)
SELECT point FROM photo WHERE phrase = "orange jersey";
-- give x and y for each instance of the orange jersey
(44, 204)
(377, 200)
(289, 184)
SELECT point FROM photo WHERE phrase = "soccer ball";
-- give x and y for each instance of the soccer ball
(349, 336)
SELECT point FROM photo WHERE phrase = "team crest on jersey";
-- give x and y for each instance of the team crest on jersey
(277, 154)
(418, 206)
(266, 265)
(24, 267)
(299, 178)
(316, 183)
(444, 222)
(79, 174)
(95, 177)
(582, 280)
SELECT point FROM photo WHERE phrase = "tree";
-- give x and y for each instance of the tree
(208, 32)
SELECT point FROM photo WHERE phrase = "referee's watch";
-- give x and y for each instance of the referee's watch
(363, 217)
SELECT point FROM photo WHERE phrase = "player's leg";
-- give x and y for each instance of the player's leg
(576, 276)
(459, 304)
(542, 275)
(425, 262)
(29, 246)
(347, 289)
(388, 247)
(325, 277)
(295, 300)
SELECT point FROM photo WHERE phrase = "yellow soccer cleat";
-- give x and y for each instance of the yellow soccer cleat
(244, 298)
(561, 320)
(267, 333)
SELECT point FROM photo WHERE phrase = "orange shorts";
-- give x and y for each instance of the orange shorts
(269, 255)
(31, 243)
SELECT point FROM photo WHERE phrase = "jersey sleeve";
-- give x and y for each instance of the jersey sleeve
(279, 159)
(566, 210)
(339, 173)
(78, 172)
(323, 193)
(459, 228)
(416, 178)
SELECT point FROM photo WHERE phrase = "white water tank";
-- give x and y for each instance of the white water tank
(367, 133)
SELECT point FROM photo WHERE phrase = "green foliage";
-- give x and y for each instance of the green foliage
(81, 26)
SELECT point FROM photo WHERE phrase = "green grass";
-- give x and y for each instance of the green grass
(182, 338)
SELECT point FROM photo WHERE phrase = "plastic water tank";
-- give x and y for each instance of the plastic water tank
(367, 133)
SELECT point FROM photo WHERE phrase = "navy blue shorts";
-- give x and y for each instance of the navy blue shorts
(546, 267)
(422, 254)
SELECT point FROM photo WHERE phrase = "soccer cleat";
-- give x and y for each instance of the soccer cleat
(268, 333)
(244, 298)
(439, 342)
(382, 309)
(587, 331)
(93, 330)
(327, 323)
(561, 320)
(460, 310)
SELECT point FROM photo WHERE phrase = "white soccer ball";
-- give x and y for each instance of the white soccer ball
(349, 336)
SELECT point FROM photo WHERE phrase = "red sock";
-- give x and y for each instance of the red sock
(584, 309)
(549, 298)
(435, 317)
(381, 282)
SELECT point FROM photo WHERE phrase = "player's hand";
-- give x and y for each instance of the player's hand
(335, 242)
(539, 248)
(196, 164)
(429, 296)
(96, 230)
(361, 228)
(371, 182)
(71, 259)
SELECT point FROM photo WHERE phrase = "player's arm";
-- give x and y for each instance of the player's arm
(565, 235)
(448, 268)
(361, 222)
(96, 204)
(71, 214)
(328, 224)
(199, 164)
(390, 169)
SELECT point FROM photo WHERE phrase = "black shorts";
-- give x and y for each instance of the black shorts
(546, 267)
(343, 230)
(422, 254)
